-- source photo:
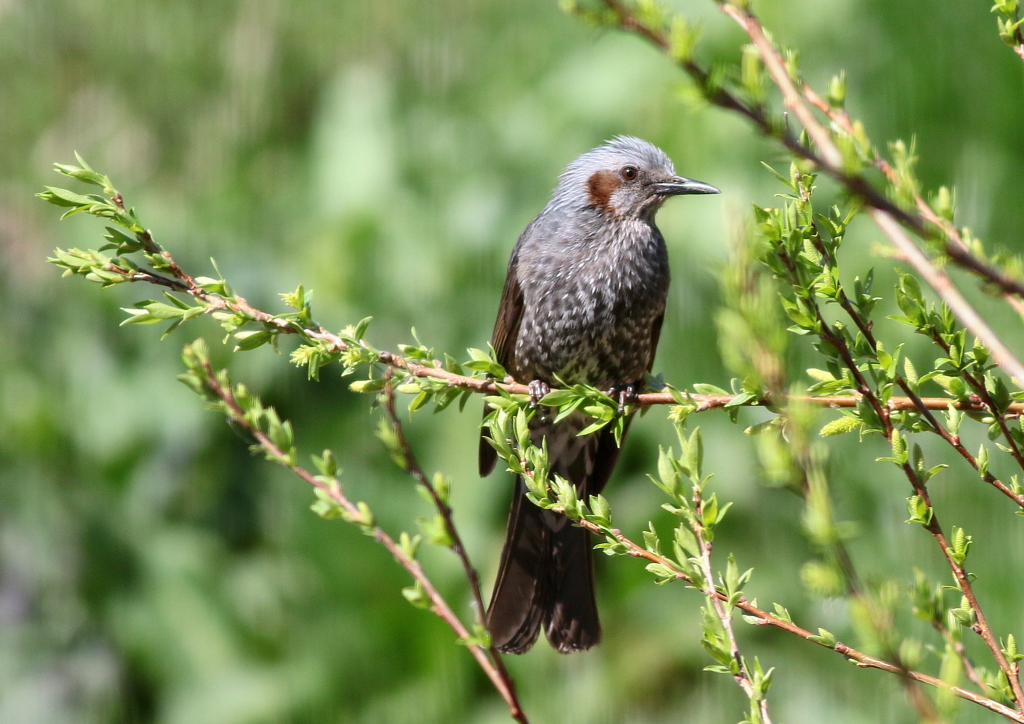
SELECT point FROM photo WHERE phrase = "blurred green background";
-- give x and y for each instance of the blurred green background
(387, 154)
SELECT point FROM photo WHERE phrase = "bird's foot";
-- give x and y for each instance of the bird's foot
(626, 394)
(538, 391)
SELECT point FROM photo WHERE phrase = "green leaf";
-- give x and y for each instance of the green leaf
(154, 312)
(326, 464)
(960, 545)
(557, 398)
(252, 339)
(326, 506)
(899, 447)
(663, 573)
(601, 511)
(919, 510)
(782, 613)
(360, 330)
(695, 455)
(63, 197)
(415, 595)
(825, 638)
(982, 460)
(910, 373)
(781, 178)
(368, 385)
(138, 316)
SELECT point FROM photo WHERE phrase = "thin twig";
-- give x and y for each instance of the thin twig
(741, 676)
(881, 207)
(827, 335)
(956, 247)
(944, 287)
(814, 481)
(978, 385)
(832, 159)
(963, 579)
(957, 250)
(412, 467)
(865, 328)
(439, 606)
(766, 619)
(435, 370)
(958, 647)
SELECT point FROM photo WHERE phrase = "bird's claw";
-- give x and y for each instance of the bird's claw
(626, 395)
(538, 391)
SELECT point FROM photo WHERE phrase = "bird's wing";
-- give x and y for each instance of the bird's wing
(506, 333)
(510, 314)
(655, 337)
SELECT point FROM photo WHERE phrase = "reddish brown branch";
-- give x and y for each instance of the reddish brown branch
(979, 388)
(981, 627)
(412, 467)
(829, 160)
(215, 302)
(766, 619)
(890, 223)
(439, 606)
(741, 676)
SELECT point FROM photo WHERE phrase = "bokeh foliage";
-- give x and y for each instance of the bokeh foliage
(386, 155)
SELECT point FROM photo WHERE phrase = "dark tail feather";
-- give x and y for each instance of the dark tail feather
(486, 455)
(521, 597)
(546, 575)
(574, 624)
(546, 578)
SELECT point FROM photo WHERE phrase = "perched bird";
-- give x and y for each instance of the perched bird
(583, 302)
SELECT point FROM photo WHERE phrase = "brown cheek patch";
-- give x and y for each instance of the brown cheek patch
(601, 186)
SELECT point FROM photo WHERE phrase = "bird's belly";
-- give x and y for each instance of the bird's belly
(595, 341)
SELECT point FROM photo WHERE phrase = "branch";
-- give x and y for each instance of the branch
(764, 618)
(723, 611)
(830, 160)
(276, 443)
(404, 455)
(865, 327)
(805, 274)
(214, 302)
(509, 432)
(937, 279)
(983, 394)
(944, 287)
(882, 215)
(931, 523)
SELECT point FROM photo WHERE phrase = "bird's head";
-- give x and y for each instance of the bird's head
(626, 177)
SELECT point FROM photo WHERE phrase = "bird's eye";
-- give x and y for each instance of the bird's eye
(629, 173)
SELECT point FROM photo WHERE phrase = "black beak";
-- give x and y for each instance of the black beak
(679, 186)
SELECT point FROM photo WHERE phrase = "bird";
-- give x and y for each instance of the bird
(583, 302)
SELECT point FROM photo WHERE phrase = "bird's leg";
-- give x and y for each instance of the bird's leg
(627, 394)
(538, 391)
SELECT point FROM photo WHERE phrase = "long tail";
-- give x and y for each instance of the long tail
(546, 575)
(545, 579)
